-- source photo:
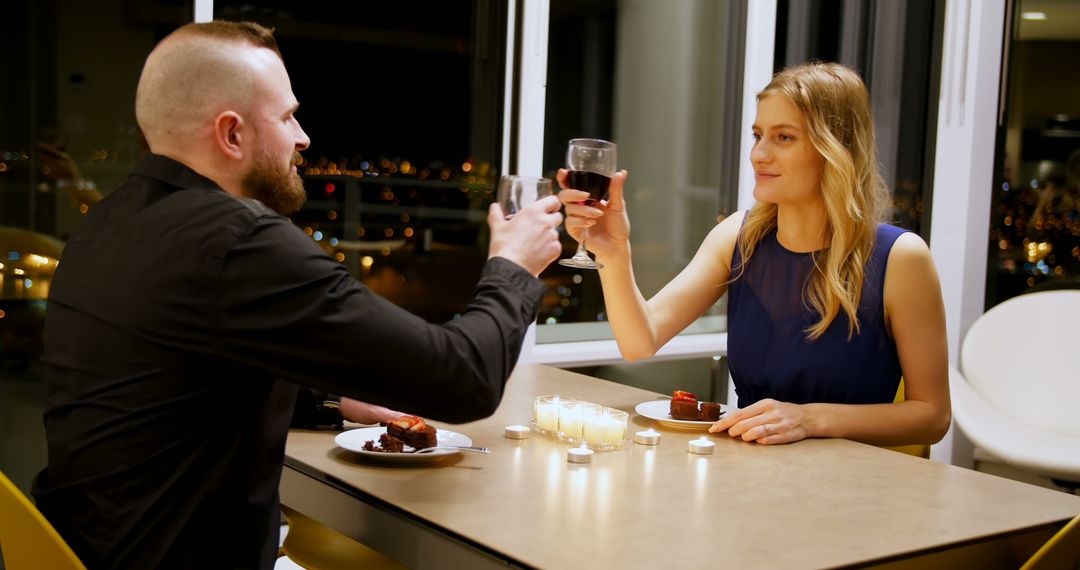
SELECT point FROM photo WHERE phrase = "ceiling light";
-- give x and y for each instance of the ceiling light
(1033, 15)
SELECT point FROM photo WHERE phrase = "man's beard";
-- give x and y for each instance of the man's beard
(282, 192)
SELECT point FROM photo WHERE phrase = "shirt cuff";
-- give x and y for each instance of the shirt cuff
(532, 288)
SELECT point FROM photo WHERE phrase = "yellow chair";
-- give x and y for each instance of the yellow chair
(1061, 551)
(317, 547)
(918, 450)
(27, 540)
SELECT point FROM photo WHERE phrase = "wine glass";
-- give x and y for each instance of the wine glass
(515, 192)
(590, 164)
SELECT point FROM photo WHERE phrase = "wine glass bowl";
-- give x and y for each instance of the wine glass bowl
(515, 192)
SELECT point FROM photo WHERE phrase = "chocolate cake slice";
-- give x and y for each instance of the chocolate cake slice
(387, 444)
(413, 431)
(684, 409)
(684, 405)
(710, 412)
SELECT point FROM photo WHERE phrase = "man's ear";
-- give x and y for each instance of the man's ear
(229, 133)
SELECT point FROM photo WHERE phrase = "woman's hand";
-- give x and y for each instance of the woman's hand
(57, 164)
(365, 413)
(766, 421)
(607, 223)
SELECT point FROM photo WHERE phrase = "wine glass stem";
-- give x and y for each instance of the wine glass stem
(581, 252)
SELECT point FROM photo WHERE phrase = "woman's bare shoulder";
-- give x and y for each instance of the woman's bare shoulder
(720, 243)
(728, 228)
(910, 269)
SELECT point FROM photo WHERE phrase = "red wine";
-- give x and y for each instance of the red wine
(595, 184)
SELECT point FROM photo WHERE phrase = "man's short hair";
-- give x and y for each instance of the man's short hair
(249, 32)
(191, 72)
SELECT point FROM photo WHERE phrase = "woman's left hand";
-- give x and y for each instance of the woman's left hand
(766, 421)
(365, 413)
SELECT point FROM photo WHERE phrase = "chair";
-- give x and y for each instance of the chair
(1061, 551)
(1018, 394)
(313, 546)
(27, 540)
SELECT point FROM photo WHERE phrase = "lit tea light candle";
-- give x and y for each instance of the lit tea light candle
(579, 455)
(647, 437)
(702, 446)
(517, 432)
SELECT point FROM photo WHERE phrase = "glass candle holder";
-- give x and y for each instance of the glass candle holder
(604, 428)
(570, 419)
(546, 413)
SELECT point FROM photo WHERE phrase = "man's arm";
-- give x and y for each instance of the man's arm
(288, 309)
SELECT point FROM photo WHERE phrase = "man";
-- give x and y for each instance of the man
(187, 308)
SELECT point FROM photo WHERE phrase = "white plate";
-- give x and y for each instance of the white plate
(354, 440)
(660, 410)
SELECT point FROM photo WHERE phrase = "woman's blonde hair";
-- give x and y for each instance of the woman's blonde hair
(837, 109)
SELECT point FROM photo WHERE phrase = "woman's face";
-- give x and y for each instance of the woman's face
(787, 167)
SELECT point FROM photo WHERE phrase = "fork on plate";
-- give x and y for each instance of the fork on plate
(458, 447)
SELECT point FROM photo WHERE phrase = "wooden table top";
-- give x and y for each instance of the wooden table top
(816, 503)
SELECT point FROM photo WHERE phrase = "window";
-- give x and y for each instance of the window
(660, 79)
(895, 47)
(1035, 209)
(403, 102)
(67, 135)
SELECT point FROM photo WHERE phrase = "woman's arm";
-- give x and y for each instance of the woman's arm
(915, 315)
(641, 327)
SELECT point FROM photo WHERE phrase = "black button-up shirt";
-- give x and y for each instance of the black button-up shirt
(180, 321)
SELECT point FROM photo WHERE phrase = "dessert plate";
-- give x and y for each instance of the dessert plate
(354, 440)
(659, 410)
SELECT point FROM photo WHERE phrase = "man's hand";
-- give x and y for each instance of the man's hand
(365, 413)
(529, 239)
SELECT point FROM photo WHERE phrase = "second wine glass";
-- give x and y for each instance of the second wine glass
(515, 192)
(590, 164)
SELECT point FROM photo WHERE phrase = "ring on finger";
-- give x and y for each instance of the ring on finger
(766, 428)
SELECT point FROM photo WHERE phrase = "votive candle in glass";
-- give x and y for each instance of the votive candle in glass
(604, 428)
(570, 421)
(546, 413)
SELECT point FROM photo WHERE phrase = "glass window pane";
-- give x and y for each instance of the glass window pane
(67, 136)
(1035, 212)
(895, 47)
(403, 103)
(663, 81)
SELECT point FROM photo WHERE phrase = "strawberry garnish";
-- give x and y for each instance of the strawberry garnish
(408, 422)
(684, 395)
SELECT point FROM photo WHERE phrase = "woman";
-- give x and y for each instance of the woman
(828, 308)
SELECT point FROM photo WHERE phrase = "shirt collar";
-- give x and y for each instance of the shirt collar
(172, 172)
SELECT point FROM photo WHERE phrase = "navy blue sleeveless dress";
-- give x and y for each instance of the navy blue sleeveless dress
(769, 352)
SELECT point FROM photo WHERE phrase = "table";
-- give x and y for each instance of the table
(817, 503)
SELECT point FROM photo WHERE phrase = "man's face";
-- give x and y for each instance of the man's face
(272, 177)
(277, 186)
